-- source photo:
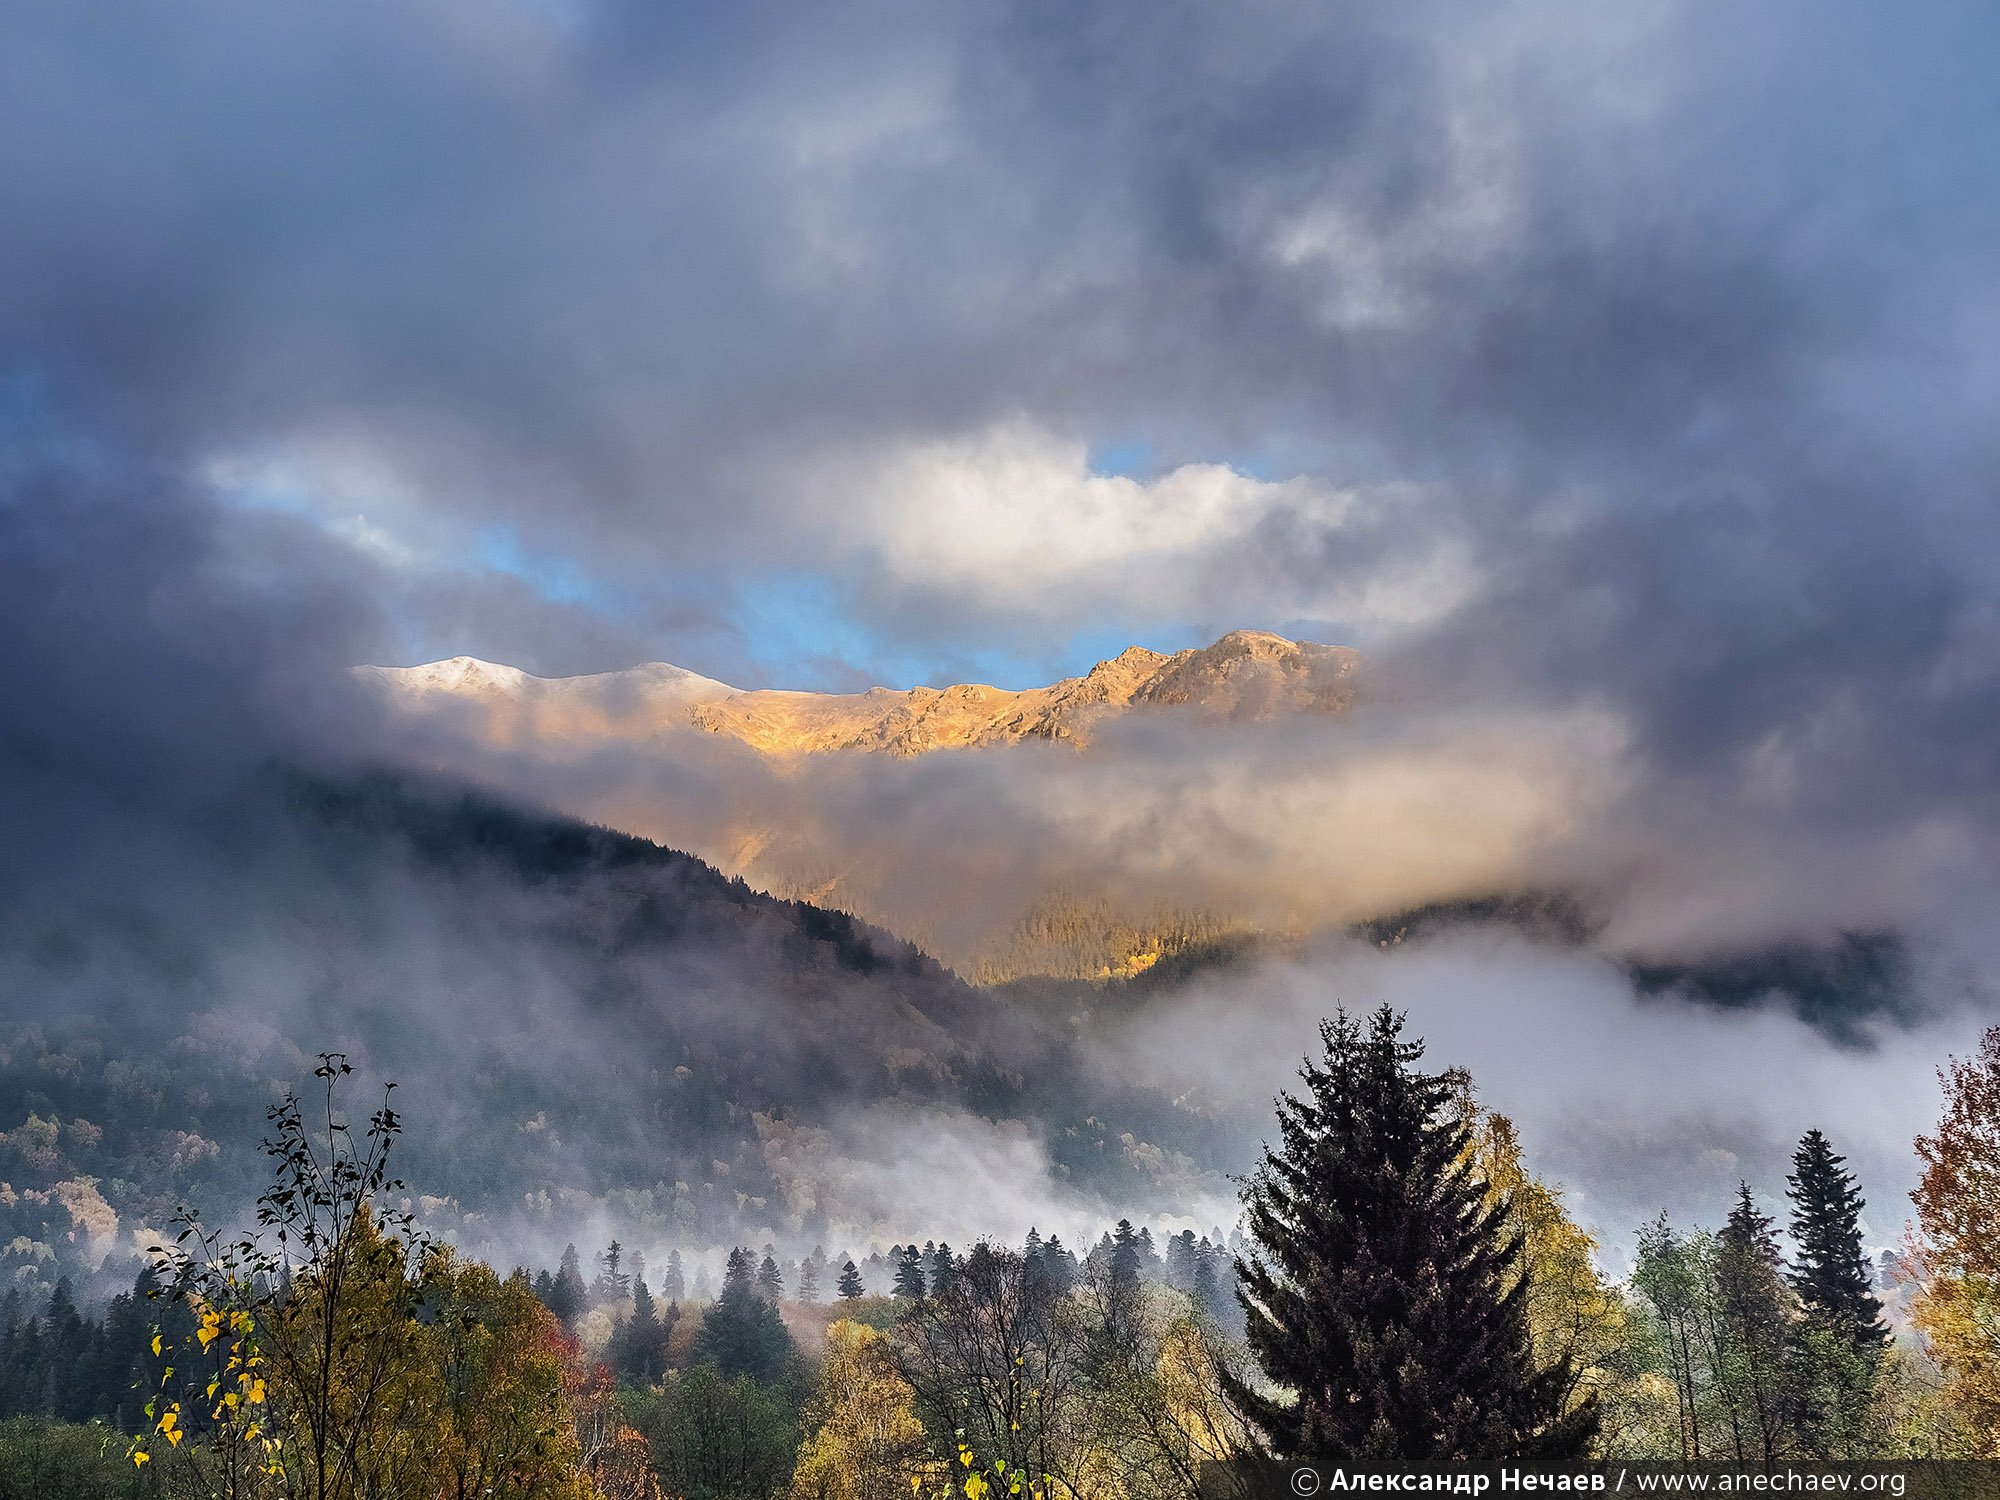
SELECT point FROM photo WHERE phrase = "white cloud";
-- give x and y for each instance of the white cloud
(1015, 518)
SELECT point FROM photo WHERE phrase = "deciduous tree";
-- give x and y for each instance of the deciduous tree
(1957, 1249)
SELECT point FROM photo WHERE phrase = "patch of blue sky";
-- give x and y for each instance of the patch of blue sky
(801, 630)
(560, 580)
(798, 628)
(1143, 460)
(1125, 458)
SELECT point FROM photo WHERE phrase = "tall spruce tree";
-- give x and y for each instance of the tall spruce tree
(673, 1285)
(1829, 1272)
(910, 1285)
(944, 1267)
(1058, 1267)
(569, 1292)
(741, 1333)
(1838, 1345)
(770, 1280)
(850, 1280)
(637, 1348)
(1755, 1309)
(1383, 1295)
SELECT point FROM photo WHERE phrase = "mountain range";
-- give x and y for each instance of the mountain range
(1246, 675)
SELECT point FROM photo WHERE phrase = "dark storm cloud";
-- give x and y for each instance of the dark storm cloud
(153, 650)
(1675, 322)
(1671, 322)
(633, 276)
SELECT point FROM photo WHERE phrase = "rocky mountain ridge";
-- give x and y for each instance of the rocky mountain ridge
(1247, 674)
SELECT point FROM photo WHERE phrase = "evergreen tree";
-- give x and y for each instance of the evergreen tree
(611, 1283)
(1180, 1260)
(68, 1340)
(637, 1349)
(1120, 1268)
(569, 1292)
(770, 1280)
(1058, 1266)
(910, 1274)
(812, 1275)
(1206, 1283)
(943, 1268)
(1384, 1295)
(1830, 1273)
(1150, 1265)
(673, 1285)
(850, 1280)
(1125, 1258)
(742, 1334)
(1754, 1308)
(1837, 1346)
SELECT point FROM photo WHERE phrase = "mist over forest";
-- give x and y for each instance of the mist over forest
(848, 634)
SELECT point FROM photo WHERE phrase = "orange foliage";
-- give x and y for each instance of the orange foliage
(614, 1453)
(1958, 1257)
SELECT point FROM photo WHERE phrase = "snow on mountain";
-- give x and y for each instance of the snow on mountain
(1247, 674)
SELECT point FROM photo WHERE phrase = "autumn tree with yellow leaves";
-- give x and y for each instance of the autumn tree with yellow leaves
(1576, 1319)
(1957, 1246)
(347, 1356)
(867, 1442)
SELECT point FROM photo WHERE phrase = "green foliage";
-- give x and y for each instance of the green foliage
(1839, 1343)
(347, 1355)
(1830, 1273)
(638, 1351)
(741, 1334)
(911, 1282)
(67, 1367)
(58, 1461)
(1721, 1321)
(1385, 1299)
(717, 1437)
(1754, 1314)
(1066, 936)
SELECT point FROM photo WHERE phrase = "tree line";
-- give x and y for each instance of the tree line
(1403, 1286)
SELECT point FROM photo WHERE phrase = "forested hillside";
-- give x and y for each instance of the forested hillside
(588, 1028)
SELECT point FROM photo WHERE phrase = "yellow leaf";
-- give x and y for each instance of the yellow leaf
(156, 1346)
(140, 1458)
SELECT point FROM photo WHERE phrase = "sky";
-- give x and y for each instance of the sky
(812, 346)
(1619, 379)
